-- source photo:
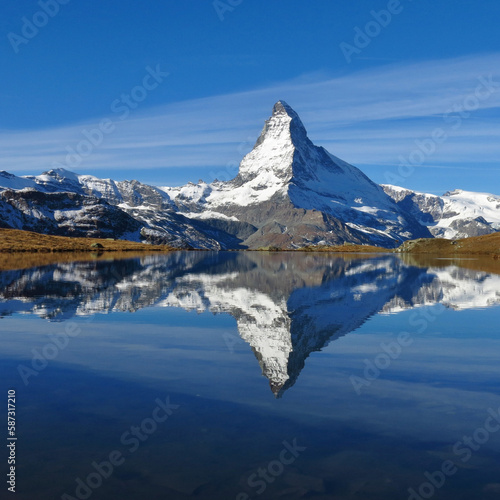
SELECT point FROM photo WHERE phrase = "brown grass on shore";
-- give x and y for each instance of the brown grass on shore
(24, 249)
(484, 263)
(477, 245)
(14, 240)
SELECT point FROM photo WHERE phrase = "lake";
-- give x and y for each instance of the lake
(238, 375)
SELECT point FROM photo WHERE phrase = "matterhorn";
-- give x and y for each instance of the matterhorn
(290, 193)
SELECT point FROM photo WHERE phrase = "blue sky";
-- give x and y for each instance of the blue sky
(407, 90)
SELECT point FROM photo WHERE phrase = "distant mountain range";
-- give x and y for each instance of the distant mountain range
(288, 193)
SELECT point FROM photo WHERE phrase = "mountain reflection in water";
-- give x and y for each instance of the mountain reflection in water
(287, 305)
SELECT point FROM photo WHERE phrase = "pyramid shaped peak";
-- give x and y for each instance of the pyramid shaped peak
(282, 107)
(284, 124)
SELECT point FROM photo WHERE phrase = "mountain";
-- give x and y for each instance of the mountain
(60, 202)
(456, 214)
(295, 194)
(288, 193)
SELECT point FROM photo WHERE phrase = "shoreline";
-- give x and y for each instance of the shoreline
(21, 249)
(18, 241)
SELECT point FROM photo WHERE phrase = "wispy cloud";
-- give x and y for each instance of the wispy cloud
(368, 117)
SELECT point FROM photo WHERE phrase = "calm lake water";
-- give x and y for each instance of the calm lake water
(241, 375)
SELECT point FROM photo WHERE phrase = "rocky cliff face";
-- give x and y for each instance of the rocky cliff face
(67, 214)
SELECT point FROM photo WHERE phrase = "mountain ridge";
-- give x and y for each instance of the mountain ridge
(454, 215)
(288, 193)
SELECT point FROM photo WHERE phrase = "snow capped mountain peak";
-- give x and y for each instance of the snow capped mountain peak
(11, 181)
(284, 125)
(272, 156)
(61, 172)
(286, 180)
(455, 214)
(285, 161)
(454, 192)
(6, 175)
(282, 107)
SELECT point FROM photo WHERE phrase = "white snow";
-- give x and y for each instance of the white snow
(190, 191)
(209, 214)
(10, 181)
(459, 205)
